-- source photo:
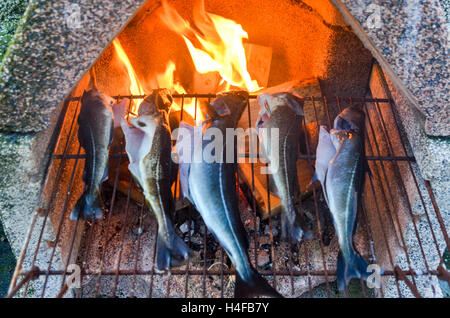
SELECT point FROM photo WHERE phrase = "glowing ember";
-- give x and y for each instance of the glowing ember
(135, 86)
(221, 41)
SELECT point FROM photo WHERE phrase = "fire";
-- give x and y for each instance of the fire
(167, 80)
(163, 80)
(221, 41)
(135, 86)
(219, 49)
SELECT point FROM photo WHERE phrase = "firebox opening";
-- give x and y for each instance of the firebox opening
(287, 40)
(304, 47)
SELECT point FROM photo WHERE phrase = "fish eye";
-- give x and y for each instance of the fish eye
(141, 124)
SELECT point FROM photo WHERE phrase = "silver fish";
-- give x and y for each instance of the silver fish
(148, 145)
(211, 188)
(340, 167)
(95, 133)
(283, 112)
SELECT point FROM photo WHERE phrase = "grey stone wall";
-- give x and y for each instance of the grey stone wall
(45, 59)
(48, 56)
(410, 41)
(10, 13)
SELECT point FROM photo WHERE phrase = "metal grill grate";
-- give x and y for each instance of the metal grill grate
(41, 272)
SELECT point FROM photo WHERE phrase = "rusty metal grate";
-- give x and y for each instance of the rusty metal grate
(44, 267)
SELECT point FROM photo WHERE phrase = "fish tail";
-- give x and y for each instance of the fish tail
(295, 230)
(257, 287)
(356, 267)
(171, 255)
(88, 207)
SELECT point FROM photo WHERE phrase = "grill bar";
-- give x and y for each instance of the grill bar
(58, 174)
(391, 196)
(199, 272)
(209, 96)
(64, 162)
(312, 157)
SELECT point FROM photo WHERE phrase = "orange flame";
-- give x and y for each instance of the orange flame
(135, 86)
(221, 51)
(221, 41)
(163, 80)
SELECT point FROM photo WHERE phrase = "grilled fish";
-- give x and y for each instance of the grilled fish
(148, 145)
(282, 113)
(211, 188)
(340, 167)
(95, 133)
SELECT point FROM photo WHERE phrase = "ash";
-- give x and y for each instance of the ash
(128, 245)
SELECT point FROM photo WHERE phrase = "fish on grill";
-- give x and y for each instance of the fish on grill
(281, 116)
(95, 133)
(211, 188)
(148, 145)
(341, 167)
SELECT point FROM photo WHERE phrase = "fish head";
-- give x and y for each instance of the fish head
(158, 100)
(95, 94)
(139, 133)
(146, 123)
(269, 102)
(350, 119)
(229, 104)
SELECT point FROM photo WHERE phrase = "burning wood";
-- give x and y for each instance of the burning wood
(219, 47)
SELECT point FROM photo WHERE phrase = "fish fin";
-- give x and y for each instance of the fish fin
(324, 153)
(272, 187)
(258, 287)
(184, 180)
(134, 140)
(105, 175)
(324, 188)
(171, 255)
(185, 159)
(355, 268)
(87, 208)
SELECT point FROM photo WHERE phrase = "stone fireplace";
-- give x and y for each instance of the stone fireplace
(392, 53)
